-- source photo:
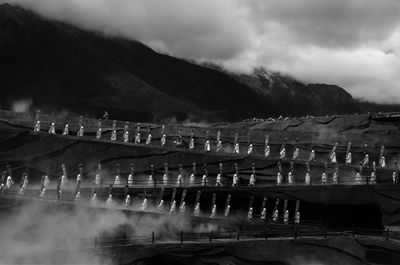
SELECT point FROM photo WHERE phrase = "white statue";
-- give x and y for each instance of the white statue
(307, 180)
(282, 153)
(227, 211)
(250, 214)
(267, 151)
(296, 153)
(250, 150)
(348, 158)
(148, 140)
(52, 129)
(358, 178)
(197, 209)
(236, 149)
(290, 177)
(213, 211)
(324, 178)
(279, 178)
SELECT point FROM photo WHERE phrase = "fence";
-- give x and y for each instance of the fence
(270, 232)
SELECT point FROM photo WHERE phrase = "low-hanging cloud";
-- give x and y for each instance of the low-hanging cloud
(354, 44)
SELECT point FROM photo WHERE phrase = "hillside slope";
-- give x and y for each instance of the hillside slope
(60, 67)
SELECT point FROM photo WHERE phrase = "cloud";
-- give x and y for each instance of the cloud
(354, 44)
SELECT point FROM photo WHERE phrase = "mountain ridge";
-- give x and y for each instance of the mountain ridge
(61, 67)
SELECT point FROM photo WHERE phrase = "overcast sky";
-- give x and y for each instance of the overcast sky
(351, 43)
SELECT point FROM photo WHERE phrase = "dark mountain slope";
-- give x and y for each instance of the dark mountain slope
(61, 67)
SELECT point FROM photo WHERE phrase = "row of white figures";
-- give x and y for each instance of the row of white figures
(275, 215)
(335, 178)
(207, 146)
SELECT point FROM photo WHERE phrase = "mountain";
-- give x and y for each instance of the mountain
(296, 98)
(60, 67)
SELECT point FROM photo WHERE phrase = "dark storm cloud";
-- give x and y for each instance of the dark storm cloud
(351, 43)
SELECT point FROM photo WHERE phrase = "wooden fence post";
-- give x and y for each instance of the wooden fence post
(211, 236)
(152, 238)
(181, 236)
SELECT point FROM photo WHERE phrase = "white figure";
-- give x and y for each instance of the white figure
(207, 146)
(333, 158)
(236, 149)
(130, 179)
(197, 209)
(307, 180)
(64, 181)
(250, 150)
(366, 160)
(373, 178)
(297, 217)
(97, 179)
(77, 196)
(126, 137)
(282, 153)
(191, 144)
(267, 151)
(192, 179)
(324, 178)
(218, 181)
(160, 206)
(148, 140)
(173, 206)
(151, 181)
(179, 180)
(348, 158)
(37, 127)
(235, 179)
(335, 179)
(290, 177)
(252, 180)
(382, 162)
(279, 178)
(204, 180)
(78, 178)
(144, 204)
(250, 214)
(94, 198)
(264, 214)
(358, 178)
(66, 129)
(227, 211)
(117, 181)
(165, 178)
(213, 211)
(163, 139)
(52, 129)
(137, 138)
(81, 131)
(43, 192)
(182, 208)
(296, 153)
(98, 133)
(286, 217)
(46, 181)
(127, 200)
(312, 155)
(113, 135)
(394, 175)
(275, 215)
(219, 146)
(109, 201)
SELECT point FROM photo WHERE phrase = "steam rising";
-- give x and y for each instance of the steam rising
(43, 235)
(22, 105)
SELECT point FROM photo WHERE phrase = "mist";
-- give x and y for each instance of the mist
(40, 234)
